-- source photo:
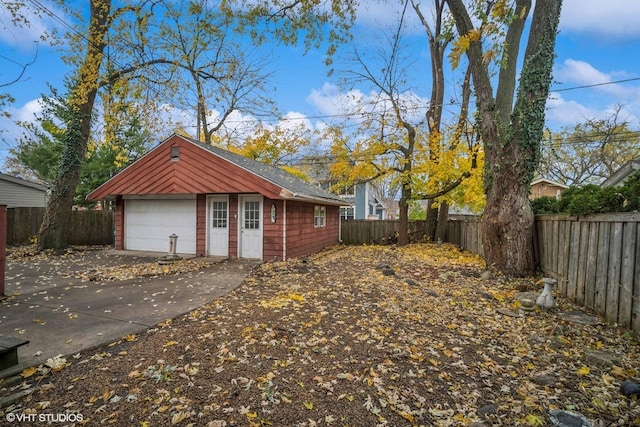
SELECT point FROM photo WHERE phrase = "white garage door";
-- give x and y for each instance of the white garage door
(149, 223)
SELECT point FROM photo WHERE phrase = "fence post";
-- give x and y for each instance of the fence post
(3, 248)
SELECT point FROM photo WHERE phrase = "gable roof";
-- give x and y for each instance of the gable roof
(548, 181)
(205, 169)
(625, 171)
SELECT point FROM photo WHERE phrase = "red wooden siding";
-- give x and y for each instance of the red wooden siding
(233, 226)
(198, 171)
(272, 242)
(303, 238)
(201, 225)
(119, 224)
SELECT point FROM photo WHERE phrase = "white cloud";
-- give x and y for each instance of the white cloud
(611, 18)
(580, 72)
(332, 102)
(10, 132)
(295, 120)
(561, 112)
(600, 86)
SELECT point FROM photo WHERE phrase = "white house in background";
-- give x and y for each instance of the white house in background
(20, 193)
(620, 176)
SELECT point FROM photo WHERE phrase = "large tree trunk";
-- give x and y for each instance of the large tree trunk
(403, 217)
(56, 222)
(443, 222)
(432, 221)
(512, 134)
(508, 226)
(55, 225)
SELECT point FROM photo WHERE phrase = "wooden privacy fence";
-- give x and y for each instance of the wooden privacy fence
(464, 231)
(369, 232)
(87, 227)
(596, 260)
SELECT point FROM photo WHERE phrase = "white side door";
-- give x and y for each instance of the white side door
(218, 220)
(250, 227)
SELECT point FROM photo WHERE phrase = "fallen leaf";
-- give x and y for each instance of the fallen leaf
(583, 371)
(27, 372)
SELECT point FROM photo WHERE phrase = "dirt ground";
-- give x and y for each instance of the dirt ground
(354, 336)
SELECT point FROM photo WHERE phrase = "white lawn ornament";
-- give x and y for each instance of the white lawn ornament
(545, 300)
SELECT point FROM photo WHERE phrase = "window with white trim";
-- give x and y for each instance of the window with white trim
(347, 213)
(319, 216)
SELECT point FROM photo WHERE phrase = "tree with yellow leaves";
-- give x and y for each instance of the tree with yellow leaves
(126, 35)
(428, 162)
(446, 180)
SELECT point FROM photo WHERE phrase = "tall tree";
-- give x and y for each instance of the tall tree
(439, 37)
(217, 71)
(391, 133)
(511, 125)
(278, 146)
(126, 32)
(589, 152)
(55, 225)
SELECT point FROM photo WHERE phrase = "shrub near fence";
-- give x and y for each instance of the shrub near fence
(87, 227)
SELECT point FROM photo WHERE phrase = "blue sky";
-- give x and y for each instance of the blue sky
(597, 67)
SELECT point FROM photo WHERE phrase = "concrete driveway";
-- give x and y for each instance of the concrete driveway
(62, 314)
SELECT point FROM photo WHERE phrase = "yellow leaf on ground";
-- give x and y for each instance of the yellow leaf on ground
(308, 405)
(583, 371)
(296, 297)
(534, 420)
(27, 372)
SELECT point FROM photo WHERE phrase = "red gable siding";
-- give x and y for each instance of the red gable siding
(197, 171)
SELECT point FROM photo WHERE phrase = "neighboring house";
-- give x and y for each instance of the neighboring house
(20, 193)
(218, 204)
(619, 177)
(364, 203)
(545, 187)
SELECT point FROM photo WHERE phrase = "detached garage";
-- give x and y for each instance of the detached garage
(218, 203)
(148, 223)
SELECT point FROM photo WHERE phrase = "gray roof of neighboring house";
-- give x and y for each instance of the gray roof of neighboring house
(300, 188)
(625, 171)
(24, 182)
(20, 193)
